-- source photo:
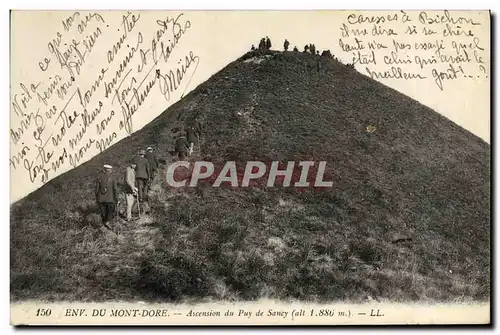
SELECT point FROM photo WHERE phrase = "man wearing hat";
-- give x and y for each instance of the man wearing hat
(142, 174)
(152, 161)
(106, 193)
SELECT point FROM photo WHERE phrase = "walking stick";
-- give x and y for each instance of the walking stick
(117, 212)
(138, 206)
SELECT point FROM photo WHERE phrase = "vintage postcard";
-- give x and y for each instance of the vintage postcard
(250, 167)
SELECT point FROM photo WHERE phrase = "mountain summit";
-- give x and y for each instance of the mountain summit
(407, 217)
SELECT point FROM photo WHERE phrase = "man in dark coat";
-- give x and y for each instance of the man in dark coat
(312, 49)
(268, 43)
(286, 44)
(106, 193)
(295, 49)
(262, 44)
(152, 161)
(181, 147)
(142, 175)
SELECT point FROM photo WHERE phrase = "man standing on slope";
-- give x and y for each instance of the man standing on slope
(106, 194)
(142, 175)
(130, 189)
(192, 134)
(181, 147)
(152, 161)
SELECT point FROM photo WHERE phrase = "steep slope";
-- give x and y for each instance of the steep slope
(407, 218)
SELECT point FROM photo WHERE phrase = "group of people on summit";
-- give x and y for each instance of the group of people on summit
(139, 176)
(265, 44)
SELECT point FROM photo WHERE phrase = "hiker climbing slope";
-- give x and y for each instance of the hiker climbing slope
(192, 137)
(130, 189)
(181, 147)
(142, 175)
(152, 161)
(106, 194)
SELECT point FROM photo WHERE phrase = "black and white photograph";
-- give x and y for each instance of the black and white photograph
(193, 167)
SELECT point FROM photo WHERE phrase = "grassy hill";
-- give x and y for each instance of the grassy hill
(407, 218)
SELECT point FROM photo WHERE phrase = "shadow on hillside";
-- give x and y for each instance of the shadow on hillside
(89, 212)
